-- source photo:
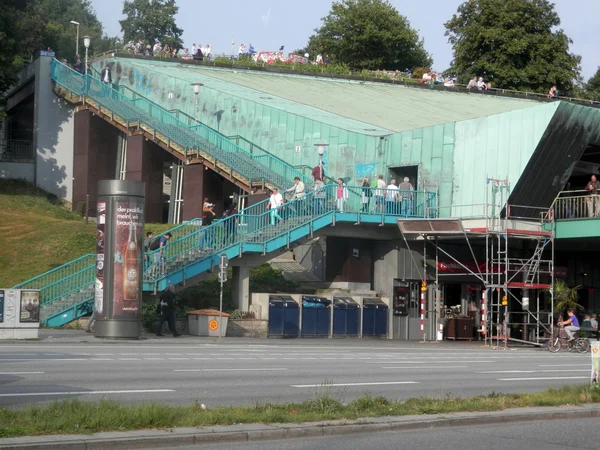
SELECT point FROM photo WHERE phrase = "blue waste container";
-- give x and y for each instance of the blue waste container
(284, 317)
(375, 317)
(316, 316)
(345, 317)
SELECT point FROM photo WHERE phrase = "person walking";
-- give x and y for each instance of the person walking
(392, 198)
(367, 193)
(320, 195)
(166, 311)
(275, 204)
(341, 194)
(298, 193)
(593, 201)
(379, 195)
(407, 197)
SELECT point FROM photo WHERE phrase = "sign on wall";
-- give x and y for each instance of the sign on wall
(30, 307)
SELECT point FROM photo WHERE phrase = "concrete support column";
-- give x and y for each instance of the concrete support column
(385, 268)
(94, 155)
(241, 288)
(193, 191)
(145, 163)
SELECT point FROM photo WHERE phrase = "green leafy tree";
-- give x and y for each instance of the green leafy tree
(565, 297)
(19, 37)
(369, 34)
(515, 44)
(151, 21)
(592, 87)
(60, 34)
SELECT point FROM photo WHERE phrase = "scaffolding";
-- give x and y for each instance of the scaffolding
(517, 274)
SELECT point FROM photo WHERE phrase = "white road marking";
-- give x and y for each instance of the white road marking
(429, 362)
(129, 359)
(41, 394)
(44, 359)
(543, 378)
(382, 383)
(421, 367)
(101, 359)
(231, 370)
(563, 365)
(21, 373)
(535, 371)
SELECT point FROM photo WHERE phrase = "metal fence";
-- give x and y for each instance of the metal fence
(576, 205)
(16, 150)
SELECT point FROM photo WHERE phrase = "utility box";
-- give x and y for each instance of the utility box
(205, 322)
(375, 317)
(284, 317)
(346, 316)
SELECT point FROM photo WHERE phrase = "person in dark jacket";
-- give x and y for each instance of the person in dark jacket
(166, 311)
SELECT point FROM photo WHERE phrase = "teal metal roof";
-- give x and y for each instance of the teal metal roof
(366, 107)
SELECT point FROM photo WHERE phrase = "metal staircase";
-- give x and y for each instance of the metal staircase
(67, 291)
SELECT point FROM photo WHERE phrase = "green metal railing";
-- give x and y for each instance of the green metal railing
(257, 224)
(143, 113)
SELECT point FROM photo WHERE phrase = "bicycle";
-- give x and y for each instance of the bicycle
(581, 345)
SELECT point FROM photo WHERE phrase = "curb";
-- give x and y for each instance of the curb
(179, 437)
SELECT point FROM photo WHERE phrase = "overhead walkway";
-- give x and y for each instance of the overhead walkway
(191, 143)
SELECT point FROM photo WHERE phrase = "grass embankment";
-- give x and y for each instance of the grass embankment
(39, 233)
(77, 417)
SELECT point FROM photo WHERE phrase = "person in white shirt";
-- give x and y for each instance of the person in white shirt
(379, 194)
(481, 86)
(391, 198)
(319, 59)
(275, 202)
(472, 83)
(298, 193)
(242, 50)
(207, 51)
(341, 194)
(194, 49)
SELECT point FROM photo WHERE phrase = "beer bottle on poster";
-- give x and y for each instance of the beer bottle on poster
(130, 266)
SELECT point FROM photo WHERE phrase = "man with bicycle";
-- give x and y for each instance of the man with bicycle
(571, 324)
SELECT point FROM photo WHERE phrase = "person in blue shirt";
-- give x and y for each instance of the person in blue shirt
(571, 324)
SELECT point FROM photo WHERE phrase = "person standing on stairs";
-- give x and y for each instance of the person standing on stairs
(341, 194)
(298, 192)
(275, 204)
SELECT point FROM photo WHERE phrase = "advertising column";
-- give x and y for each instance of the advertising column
(120, 255)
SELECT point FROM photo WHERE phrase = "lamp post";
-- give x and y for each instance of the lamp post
(86, 43)
(77, 39)
(321, 151)
(197, 87)
(232, 49)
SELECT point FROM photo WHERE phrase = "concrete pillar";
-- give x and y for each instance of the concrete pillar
(193, 191)
(385, 268)
(241, 288)
(145, 163)
(94, 156)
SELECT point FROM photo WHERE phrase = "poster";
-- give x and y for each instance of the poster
(595, 362)
(30, 307)
(1, 306)
(100, 241)
(128, 257)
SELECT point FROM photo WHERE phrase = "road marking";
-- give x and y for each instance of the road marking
(231, 370)
(154, 359)
(41, 394)
(421, 367)
(101, 359)
(429, 362)
(563, 365)
(21, 373)
(543, 378)
(129, 359)
(535, 371)
(177, 359)
(382, 383)
(44, 359)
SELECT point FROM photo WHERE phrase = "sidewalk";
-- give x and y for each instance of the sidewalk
(178, 437)
(57, 336)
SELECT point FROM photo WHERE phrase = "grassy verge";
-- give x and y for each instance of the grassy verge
(77, 417)
(39, 233)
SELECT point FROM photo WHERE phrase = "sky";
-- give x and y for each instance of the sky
(268, 24)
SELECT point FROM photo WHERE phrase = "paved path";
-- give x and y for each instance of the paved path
(249, 371)
(575, 434)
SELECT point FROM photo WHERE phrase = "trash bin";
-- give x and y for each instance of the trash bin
(205, 322)
(316, 316)
(345, 317)
(284, 317)
(375, 317)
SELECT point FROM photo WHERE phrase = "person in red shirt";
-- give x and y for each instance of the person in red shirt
(318, 173)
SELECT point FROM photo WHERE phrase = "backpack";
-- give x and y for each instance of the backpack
(155, 244)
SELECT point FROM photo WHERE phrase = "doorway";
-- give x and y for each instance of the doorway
(399, 173)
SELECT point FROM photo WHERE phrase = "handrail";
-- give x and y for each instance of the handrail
(372, 77)
(51, 271)
(89, 86)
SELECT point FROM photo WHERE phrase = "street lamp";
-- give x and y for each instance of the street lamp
(86, 43)
(197, 87)
(77, 41)
(232, 49)
(321, 151)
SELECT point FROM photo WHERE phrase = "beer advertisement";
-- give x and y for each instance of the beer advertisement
(30, 306)
(128, 254)
(100, 242)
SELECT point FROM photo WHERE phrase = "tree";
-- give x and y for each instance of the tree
(19, 37)
(151, 21)
(369, 34)
(592, 87)
(565, 297)
(60, 34)
(515, 44)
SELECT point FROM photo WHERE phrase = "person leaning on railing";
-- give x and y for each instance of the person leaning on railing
(593, 202)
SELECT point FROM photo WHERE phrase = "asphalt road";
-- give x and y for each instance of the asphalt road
(550, 435)
(251, 371)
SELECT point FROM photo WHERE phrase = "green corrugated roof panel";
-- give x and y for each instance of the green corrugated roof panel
(384, 107)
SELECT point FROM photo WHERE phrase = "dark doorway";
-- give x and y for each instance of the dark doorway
(399, 173)
(452, 295)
